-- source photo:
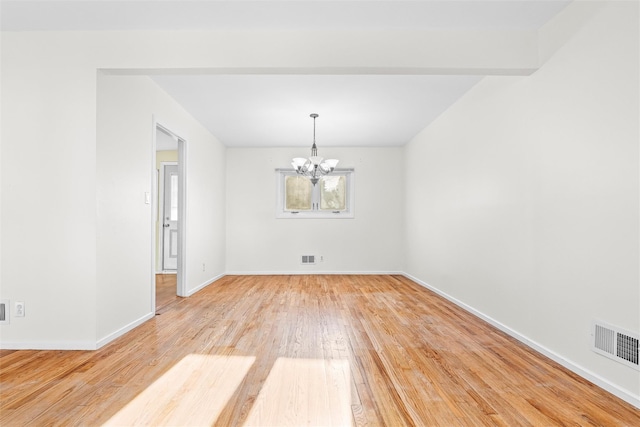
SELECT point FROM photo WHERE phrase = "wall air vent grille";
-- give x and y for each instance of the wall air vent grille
(308, 259)
(4, 312)
(604, 339)
(616, 344)
(627, 348)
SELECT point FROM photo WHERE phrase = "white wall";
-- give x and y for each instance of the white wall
(48, 195)
(257, 242)
(1, 105)
(522, 199)
(49, 163)
(126, 108)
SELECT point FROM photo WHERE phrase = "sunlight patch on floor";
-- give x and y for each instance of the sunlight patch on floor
(192, 393)
(304, 392)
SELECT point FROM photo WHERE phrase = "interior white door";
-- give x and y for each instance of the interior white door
(170, 219)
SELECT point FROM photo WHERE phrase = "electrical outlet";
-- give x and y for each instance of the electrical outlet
(19, 309)
(203, 266)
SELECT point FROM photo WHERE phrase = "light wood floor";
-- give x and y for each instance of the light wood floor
(165, 291)
(304, 350)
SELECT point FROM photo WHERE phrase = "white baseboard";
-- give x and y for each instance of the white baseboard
(112, 336)
(623, 394)
(74, 345)
(48, 345)
(309, 273)
(204, 284)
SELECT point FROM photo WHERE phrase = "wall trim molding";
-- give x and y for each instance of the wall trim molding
(112, 336)
(48, 345)
(204, 284)
(623, 394)
(311, 273)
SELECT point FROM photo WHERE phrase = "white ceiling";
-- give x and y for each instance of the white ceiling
(354, 110)
(165, 141)
(275, 14)
(273, 110)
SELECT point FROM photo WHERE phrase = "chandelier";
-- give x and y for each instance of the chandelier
(315, 166)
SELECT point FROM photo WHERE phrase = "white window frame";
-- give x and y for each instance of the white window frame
(349, 212)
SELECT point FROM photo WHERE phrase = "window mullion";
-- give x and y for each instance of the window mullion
(315, 198)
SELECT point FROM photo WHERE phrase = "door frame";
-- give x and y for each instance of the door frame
(181, 287)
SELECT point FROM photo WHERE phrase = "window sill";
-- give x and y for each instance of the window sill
(315, 215)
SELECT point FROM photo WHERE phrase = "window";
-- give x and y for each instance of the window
(331, 197)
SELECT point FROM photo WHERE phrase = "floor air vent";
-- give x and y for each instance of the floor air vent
(616, 344)
(308, 259)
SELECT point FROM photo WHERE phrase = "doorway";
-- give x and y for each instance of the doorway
(169, 217)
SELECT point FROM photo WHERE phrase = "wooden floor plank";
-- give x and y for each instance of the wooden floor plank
(166, 291)
(304, 350)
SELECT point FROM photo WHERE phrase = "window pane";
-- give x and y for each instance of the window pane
(297, 195)
(333, 192)
(174, 198)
